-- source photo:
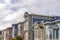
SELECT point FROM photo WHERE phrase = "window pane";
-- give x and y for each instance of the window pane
(51, 33)
(56, 33)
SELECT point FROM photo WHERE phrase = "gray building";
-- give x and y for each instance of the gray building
(14, 30)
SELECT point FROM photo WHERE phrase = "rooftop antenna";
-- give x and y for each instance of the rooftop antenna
(52, 14)
(48, 13)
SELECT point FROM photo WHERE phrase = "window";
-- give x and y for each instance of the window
(51, 33)
(0, 32)
(54, 33)
(31, 35)
(36, 33)
(57, 33)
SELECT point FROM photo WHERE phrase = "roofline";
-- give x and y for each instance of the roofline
(52, 17)
(22, 22)
(57, 21)
(38, 15)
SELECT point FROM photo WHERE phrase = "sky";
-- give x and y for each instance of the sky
(12, 11)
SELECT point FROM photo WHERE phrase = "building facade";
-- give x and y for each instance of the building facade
(7, 34)
(47, 31)
(30, 19)
(53, 30)
(17, 29)
(14, 30)
(20, 28)
(35, 27)
(1, 35)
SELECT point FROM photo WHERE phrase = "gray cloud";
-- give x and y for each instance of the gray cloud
(13, 10)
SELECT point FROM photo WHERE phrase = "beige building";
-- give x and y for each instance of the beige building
(4, 34)
(39, 31)
(35, 27)
(20, 28)
(7, 34)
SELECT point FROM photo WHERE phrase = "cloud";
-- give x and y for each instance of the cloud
(4, 26)
(1, 6)
(15, 1)
(15, 15)
(12, 11)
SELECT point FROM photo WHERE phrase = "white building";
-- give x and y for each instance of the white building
(30, 20)
(20, 28)
(53, 30)
(47, 31)
(5, 34)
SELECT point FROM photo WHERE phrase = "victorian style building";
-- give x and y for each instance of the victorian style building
(47, 27)
(29, 34)
(35, 27)
(7, 34)
(47, 30)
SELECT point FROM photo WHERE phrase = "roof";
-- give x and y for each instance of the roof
(22, 22)
(26, 13)
(57, 17)
(41, 16)
(53, 22)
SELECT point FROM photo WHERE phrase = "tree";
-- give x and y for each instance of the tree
(17, 38)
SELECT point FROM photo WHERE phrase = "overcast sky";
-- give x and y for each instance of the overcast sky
(12, 11)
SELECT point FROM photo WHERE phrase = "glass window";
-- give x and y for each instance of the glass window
(0, 32)
(36, 33)
(50, 33)
(53, 31)
(57, 33)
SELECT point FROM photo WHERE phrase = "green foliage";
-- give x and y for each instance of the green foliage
(18, 38)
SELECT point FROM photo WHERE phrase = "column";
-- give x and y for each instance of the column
(37, 35)
(47, 32)
(59, 30)
(18, 29)
(41, 35)
(52, 34)
(13, 32)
